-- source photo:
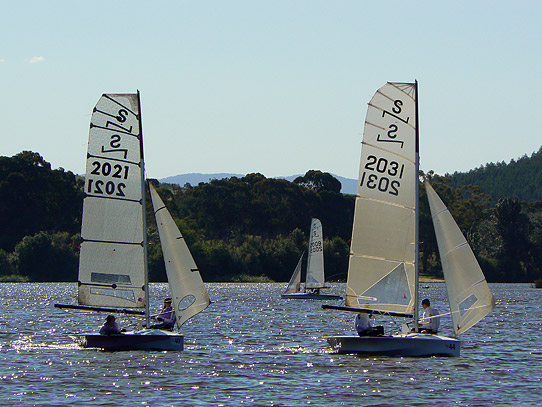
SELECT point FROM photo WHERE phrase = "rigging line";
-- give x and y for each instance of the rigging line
(453, 312)
(335, 316)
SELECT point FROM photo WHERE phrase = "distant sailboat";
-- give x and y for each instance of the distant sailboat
(113, 274)
(315, 279)
(383, 266)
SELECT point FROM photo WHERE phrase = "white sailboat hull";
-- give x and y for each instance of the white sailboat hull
(397, 345)
(311, 296)
(146, 339)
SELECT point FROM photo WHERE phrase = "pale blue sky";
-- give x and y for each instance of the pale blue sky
(277, 87)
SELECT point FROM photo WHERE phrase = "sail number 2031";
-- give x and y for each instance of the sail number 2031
(382, 171)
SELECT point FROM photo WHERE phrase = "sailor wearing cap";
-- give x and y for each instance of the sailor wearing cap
(429, 322)
(166, 318)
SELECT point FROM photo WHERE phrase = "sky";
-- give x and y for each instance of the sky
(276, 87)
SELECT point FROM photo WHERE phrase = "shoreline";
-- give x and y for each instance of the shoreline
(431, 280)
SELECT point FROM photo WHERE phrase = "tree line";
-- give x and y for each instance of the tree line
(521, 178)
(249, 228)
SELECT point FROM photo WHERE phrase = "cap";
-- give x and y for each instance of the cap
(426, 301)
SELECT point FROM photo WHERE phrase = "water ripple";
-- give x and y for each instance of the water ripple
(250, 347)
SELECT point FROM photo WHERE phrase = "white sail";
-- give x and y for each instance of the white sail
(381, 271)
(294, 285)
(186, 286)
(468, 293)
(315, 262)
(112, 257)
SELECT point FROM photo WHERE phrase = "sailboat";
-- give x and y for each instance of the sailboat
(383, 263)
(315, 279)
(113, 275)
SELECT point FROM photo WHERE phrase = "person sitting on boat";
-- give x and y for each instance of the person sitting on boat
(364, 327)
(363, 324)
(430, 322)
(166, 318)
(110, 327)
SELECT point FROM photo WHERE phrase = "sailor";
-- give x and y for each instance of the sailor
(110, 327)
(363, 324)
(430, 322)
(166, 318)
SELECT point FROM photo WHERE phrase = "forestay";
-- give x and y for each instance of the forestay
(315, 262)
(468, 293)
(189, 296)
(112, 257)
(381, 272)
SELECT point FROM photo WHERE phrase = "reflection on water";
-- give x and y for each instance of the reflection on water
(250, 347)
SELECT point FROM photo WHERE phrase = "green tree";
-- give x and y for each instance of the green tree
(514, 228)
(319, 181)
(34, 198)
(45, 257)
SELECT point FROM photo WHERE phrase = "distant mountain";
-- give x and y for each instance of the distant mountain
(194, 178)
(348, 185)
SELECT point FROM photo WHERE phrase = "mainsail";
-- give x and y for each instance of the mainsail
(381, 272)
(315, 262)
(468, 293)
(185, 284)
(294, 285)
(112, 258)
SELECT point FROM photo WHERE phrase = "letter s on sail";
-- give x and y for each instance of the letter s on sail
(122, 115)
(397, 109)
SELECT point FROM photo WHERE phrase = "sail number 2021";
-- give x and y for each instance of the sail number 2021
(110, 187)
(382, 168)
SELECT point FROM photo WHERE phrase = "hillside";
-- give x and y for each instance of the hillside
(521, 178)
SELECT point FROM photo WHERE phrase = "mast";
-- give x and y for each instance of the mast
(417, 226)
(144, 209)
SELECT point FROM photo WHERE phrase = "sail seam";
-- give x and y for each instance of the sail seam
(112, 197)
(113, 159)
(367, 198)
(438, 213)
(159, 209)
(366, 256)
(410, 85)
(112, 241)
(121, 105)
(95, 126)
(453, 249)
(388, 151)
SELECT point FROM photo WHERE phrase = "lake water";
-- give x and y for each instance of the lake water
(252, 348)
